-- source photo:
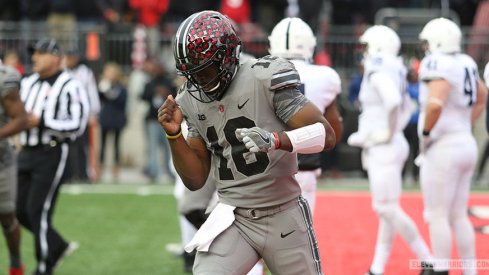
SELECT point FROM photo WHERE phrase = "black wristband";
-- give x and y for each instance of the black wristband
(426, 133)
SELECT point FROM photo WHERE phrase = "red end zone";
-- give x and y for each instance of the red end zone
(346, 229)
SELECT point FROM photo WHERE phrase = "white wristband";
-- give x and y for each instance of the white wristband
(308, 139)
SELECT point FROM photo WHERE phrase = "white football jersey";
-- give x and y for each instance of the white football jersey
(461, 72)
(320, 84)
(375, 115)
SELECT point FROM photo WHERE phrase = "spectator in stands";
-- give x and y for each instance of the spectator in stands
(10, 10)
(307, 10)
(268, 13)
(61, 22)
(34, 10)
(411, 130)
(149, 14)
(237, 10)
(113, 95)
(179, 10)
(485, 154)
(82, 163)
(113, 11)
(355, 83)
(11, 58)
(154, 94)
(479, 34)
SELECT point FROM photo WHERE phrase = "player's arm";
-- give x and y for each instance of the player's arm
(389, 93)
(481, 102)
(311, 132)
(333, 116)
(14, 108)
(190, 157)
(439, 90)
(191, 160)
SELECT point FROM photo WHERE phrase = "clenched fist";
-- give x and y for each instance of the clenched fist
(170, 116)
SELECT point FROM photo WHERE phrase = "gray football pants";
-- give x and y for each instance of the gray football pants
(283, 236)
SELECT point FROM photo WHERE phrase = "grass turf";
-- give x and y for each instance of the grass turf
(118, 234)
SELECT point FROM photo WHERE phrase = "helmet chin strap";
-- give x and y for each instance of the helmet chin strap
(215, 87)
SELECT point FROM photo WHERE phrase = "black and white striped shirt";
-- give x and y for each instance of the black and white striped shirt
(62, 105)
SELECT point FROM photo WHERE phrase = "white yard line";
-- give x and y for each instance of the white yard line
(117, 189)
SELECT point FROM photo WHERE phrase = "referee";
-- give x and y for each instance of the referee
(58, 112)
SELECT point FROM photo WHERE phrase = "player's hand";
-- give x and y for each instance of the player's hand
(424, 143)
(33, 120)
(170, 116)
(377, 138)
(256, 139)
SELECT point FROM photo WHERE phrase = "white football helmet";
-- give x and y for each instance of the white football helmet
(292, 38)
(380, 39)
(442, 35)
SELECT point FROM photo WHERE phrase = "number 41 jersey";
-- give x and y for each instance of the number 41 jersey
(461, 72)
(263, 93)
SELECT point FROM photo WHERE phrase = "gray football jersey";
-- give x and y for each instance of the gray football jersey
(9, 79)
(263, 93)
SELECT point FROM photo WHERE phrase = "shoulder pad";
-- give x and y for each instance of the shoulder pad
(436, 66)
(275, 73)
(9, 78)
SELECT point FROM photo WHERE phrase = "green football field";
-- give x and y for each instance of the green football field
(121, 230)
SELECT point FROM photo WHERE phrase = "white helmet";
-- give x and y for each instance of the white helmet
(442, 35)
(292, 38)
(381, 39)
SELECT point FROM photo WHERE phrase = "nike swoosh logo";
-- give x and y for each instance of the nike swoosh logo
(242, 105)
(266, 139)
(282, 235)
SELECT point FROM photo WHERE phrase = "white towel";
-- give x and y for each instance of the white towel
(219, 220)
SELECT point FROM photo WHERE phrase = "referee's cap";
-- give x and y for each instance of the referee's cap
(45, 46)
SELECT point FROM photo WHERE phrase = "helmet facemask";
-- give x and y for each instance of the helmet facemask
(207, 41)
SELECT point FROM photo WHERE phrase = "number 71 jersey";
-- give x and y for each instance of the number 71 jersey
(263, 93)
(461, 72)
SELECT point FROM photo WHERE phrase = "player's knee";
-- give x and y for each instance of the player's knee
(196, 217)
(457, 215)
(386, 209)
(435, 216)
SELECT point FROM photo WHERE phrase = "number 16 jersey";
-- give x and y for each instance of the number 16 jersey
(263, 93)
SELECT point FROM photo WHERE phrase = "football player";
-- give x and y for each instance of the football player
(294, 40)
(385, 112)
(452, 97)
(486, 79)
(246, 125)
